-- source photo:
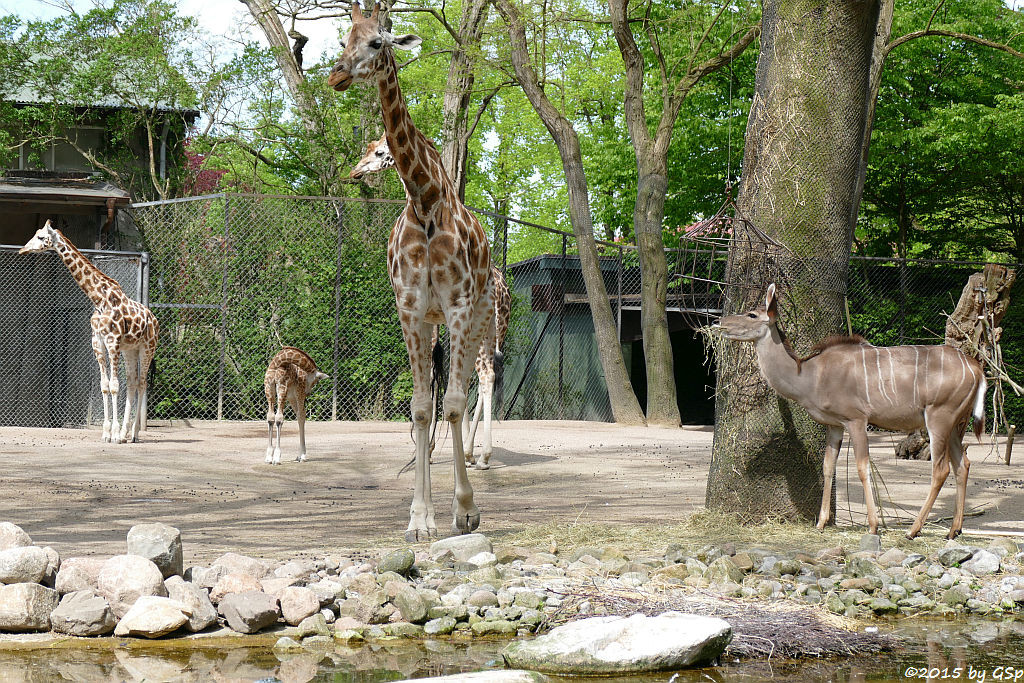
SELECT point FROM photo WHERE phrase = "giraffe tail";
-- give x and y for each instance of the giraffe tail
(499, 381)
(436, 375)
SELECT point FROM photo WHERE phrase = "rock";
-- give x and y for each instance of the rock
(235, 583)
(1008, 545)
(298, 603)
(834, 604)
(400, 562)
(495, 627)
(327, 591)
(723, 570)
(123, 579)
(23, 564)
(616, 645)
(743, 561)
(152, 617)
(913, 560)
(862, 566)
(13, 536)
(78, 574)
(285, 643)
(871, 543)
(410, 604)
(784, 566)
(202, 613)
(461, 547)
(489, 676)
(882, 606)
(315, 625)
(26, 607)
(233, 563)
(204, 577)
(484, 559)
(403, 629)
(955, 596)
(249, 612)
(295, 569)
(528, 600)
(954, 555)
(861, 583)
(982, 563)
(482, 598)
(83, 613)
(892, 557)
(52, 567)
(276, 585)
(160, 544)
(441, 626)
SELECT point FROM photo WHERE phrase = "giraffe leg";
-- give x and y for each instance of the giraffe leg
(828, 468)
(299, 406)
(269, 388)
(145, 360)
(282, 398)
(421, 512)
(487, 392)
(114, 354)
(131, 364)
(100, 351)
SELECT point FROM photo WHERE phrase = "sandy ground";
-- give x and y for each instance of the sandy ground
(68, 489)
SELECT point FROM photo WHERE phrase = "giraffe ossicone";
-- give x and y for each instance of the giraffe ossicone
(120, 325)
(290, 377)
(439, 262)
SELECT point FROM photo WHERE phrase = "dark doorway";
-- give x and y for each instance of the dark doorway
(695, 379)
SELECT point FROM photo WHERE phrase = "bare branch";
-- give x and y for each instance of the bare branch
(951, 34)
(934, 12)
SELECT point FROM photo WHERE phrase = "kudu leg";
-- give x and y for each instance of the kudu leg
(940, 469)
(859, 438)
(828, 469)
(961, 466)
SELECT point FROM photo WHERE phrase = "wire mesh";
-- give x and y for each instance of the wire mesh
(46, 358)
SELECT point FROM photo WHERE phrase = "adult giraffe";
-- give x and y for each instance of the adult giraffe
(438, 259)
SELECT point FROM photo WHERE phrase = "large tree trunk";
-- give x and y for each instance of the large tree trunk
(455, 107)
(801, 173)
(625, 407)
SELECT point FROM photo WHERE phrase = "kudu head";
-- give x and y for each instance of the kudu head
(365, 48)
(755, 323)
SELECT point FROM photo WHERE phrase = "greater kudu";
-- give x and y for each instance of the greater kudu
(846, 383)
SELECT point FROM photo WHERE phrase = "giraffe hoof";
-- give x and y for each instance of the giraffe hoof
(953, 534)
(419, 535)
(467, 523)
(481, 465)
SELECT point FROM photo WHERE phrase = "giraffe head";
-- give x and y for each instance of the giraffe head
(377, 158)
(45, 239)
(364, 48)
(312, 378)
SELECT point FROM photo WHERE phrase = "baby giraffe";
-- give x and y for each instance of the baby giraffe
(291, 375)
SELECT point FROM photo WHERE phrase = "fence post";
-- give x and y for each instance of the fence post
(224, 309)
(339, 209)
(144, 299)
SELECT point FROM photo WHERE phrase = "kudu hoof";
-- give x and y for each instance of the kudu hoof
(419, 535)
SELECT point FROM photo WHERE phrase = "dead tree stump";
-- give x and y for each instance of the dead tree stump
(986, 294)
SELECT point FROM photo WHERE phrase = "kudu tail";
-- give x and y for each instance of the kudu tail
(499, 381)
(979, 409)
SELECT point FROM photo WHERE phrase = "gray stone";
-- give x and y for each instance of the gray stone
(723, 570)
(78, 574)
(400, 562)
(403, 629)
(892, 557)
(285, 643)
(461, 547)
(315, 625)
(26, 607)
(52, 567)
(882, 606)
(982, 563)
(236, 582)
(295, 569)
(495, 627)
(862, 566)
(233, 563)
(160, 544)
(489, 676)
(123, 579)
(152, 617)
(786, 566)
(955, 596)
(202, 613)
(83, 613)
(913, 560)
(954, 555)
(205, 577)
(249, 612)
(482, 598)
(411, 605)
(327, 591)
(871, 543)
(23, 564)
(484, 559)
(297, 603)
(616, 645)
(441, 626)
(13, 536)
(528, 599)
(917, 602)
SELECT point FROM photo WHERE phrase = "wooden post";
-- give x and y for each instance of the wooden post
(1009, 442)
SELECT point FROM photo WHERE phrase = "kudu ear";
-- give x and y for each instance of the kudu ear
(771, 302)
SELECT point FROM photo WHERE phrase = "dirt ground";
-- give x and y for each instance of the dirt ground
(68, 489)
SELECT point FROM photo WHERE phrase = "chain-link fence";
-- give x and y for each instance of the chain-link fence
(47, 366)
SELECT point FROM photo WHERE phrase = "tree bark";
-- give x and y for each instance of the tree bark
(459, 87)
(625, 407)
(801, 178)
(651, 152)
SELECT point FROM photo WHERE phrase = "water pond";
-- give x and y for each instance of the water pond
(934, 650)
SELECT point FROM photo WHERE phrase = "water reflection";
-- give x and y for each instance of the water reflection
(934, 650)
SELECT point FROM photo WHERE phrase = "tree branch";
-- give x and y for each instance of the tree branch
(951, 34)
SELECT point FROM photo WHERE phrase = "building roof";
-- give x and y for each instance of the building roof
(54, 188)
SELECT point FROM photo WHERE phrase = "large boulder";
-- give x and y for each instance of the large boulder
(982, 563)
(249, 612)
(233, 563)
(297, 603)
(616, 645)
(13, 536)
(461, 547)
(52, 567)
(234, 583)
(23, 564)
(197, 600)
(26, 607)
(152, 617)
(159, 543)
(123, 579)
(83, 613)
(79, 574)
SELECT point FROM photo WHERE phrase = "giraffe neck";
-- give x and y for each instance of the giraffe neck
(90, 279)
(416, 159)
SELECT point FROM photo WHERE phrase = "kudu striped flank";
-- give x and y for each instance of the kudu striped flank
(846, 383)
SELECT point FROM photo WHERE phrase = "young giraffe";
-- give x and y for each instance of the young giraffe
(291, 375)
(439, 262)
(378, 158)
(119, 325)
